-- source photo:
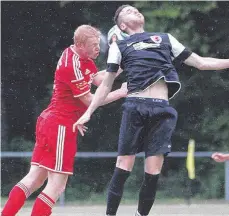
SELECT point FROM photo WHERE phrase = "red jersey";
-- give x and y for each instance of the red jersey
(73, 78)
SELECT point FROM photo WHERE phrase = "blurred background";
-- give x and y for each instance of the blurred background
(33, 36)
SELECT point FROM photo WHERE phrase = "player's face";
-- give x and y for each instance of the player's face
(92, 47)
(131, 15)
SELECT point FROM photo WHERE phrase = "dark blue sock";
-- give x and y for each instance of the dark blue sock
(147, 193)
(115, 190)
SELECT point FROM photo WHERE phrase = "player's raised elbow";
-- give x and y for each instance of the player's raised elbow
(202, 65)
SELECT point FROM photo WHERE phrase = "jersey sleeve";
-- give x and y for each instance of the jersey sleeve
(74, 78)
(179, 51)
(114, 58)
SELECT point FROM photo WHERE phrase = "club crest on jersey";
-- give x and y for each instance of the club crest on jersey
(156, 39)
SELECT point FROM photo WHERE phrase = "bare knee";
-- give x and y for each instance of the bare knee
(125, 162)
(35, 178)
(54, 190)
(56, 185)
(58, 188)
(40, 182)
(153, 164)
(35, 181)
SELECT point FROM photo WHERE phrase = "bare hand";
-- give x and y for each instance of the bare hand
(80, 123)
(219, 157)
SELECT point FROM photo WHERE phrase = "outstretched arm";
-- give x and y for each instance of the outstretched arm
(182, 54)
(101, 92)
(113, 63)
(100, 97)
(112, 96)
(97, 80)
(206, 63)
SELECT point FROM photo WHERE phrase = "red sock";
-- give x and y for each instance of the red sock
(16, 200)
(43, 205)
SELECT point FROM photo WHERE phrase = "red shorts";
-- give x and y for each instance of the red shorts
(56, 145)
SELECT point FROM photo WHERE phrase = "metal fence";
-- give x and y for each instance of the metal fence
(114, 154)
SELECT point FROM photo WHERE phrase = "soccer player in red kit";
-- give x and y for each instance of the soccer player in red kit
(56, 143)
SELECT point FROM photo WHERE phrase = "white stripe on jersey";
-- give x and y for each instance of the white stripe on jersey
(76, 67)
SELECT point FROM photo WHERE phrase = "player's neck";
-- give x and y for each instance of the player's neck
(135, 31)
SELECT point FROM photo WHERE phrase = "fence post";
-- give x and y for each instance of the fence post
(227, 180)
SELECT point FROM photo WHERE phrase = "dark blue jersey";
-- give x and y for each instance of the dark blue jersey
(146, 58)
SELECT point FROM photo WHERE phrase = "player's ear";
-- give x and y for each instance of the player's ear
(122, 26)
(77, 43)
(80, 45)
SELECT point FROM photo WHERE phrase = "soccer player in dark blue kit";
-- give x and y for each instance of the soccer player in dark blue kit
(148, 120)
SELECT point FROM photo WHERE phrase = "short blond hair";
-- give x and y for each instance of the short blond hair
(83, 32)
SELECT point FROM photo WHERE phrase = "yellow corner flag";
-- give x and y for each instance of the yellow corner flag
(190, 161)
